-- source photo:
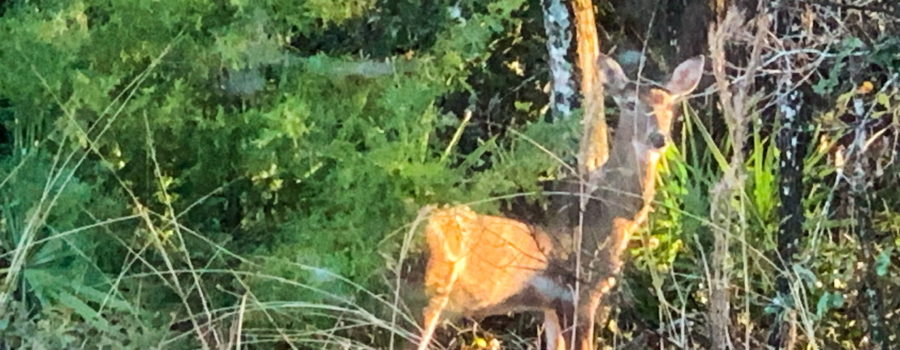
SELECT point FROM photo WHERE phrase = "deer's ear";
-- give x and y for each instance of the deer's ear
(611, 73)
(686, 77)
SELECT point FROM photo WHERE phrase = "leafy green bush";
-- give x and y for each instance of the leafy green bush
(187, 140)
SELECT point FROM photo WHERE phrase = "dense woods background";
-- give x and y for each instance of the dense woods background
(222, 174)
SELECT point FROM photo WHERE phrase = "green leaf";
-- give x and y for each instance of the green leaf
(827, 302)
(711, 145)
(883, 262)
(883, 100)
(85, 311)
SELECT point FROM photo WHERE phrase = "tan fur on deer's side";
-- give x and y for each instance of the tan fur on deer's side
(506, 255)
(485, 265)
(509, 251)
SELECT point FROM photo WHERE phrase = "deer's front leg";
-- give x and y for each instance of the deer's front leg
(553, 335)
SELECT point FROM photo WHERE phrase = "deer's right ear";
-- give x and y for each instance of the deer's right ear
(686, 77)
(611, 73)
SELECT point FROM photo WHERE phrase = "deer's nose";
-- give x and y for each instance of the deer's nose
(657, 140)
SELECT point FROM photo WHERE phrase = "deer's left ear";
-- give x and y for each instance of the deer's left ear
(686, 77)
(612, 74)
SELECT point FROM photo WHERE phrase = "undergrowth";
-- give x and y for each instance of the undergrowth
(179, 174)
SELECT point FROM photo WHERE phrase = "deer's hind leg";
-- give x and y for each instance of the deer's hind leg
(432, 315)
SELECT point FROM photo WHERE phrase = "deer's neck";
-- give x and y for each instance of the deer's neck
(624, 190)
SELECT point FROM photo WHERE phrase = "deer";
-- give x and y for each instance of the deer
(482, 265)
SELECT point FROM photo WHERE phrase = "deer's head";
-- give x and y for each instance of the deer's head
(646, 111)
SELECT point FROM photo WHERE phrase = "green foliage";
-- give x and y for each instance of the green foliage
(226, 118)
(49, 221)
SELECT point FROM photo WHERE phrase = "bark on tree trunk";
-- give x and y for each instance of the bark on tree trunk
(794, 115)
(594, 145)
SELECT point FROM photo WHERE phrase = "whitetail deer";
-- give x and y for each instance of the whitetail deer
(486, 265)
